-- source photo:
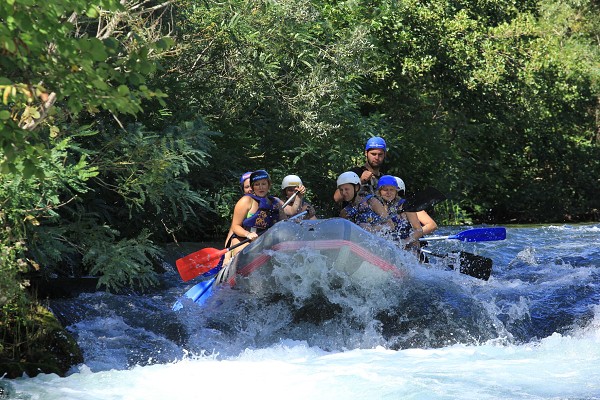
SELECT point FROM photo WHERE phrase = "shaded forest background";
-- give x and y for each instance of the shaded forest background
(126, 124)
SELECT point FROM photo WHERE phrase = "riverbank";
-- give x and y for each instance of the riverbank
(34, 343)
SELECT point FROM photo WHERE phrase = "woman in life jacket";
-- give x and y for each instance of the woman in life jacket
(291, 184)
(256, 212)
(407, 228)
(245, 189)
(364, 210)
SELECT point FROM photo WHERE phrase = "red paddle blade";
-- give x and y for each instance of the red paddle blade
(198, 263)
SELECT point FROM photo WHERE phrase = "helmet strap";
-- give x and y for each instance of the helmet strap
(356, 192)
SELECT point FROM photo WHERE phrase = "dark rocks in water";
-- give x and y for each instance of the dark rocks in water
(45, 347)
(317, 310)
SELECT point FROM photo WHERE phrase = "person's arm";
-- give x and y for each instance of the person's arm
(294, 207)
(428, 224)
(310, 211)
(242, 207)
(378, 207)
(365, 176)
(417, 230)
(384, 222)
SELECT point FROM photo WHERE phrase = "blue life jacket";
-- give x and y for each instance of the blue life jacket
(402, 225)
(362, 213)
(266, 216)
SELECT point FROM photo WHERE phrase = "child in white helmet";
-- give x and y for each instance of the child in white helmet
(291, 184)
(364, 210)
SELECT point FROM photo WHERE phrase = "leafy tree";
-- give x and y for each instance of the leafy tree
(470, 89)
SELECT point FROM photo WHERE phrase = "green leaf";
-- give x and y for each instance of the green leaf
(8, 44)
(123, 90)
(145, 67)
(97, 50)
(136, 79)
(100, 84)
(92, 12)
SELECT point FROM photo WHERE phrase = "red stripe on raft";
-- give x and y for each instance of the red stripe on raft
(254, 264)
(322, 245)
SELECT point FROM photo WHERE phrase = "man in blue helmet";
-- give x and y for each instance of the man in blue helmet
(372, 170)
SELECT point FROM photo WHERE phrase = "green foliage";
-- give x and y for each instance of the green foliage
(463, 92)
(489, 109)
(51, 63)
(122, 264)
(62, 61)
(281, 82)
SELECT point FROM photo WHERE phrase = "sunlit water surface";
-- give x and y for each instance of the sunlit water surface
(531, 332)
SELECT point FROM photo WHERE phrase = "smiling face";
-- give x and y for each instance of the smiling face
(261, 187)
(388, 192)
(347, 191)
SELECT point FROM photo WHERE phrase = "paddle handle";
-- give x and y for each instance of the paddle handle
(288, 201)
(235, 246)
(431, 253)
(298, 215)
(425, 239)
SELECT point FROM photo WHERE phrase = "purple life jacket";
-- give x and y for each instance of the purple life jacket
(266, 216)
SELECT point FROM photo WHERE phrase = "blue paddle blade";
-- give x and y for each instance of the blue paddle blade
(481, 235)
(198, 293)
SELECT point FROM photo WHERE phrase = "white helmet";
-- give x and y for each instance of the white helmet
(291, 180)
(348, 177)
(400, 183)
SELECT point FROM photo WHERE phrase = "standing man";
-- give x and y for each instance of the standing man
(372, 170)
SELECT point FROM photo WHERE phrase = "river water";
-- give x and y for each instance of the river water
(531, 332)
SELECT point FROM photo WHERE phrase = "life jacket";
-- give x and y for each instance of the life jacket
(362, 213)
(265, 217)
(402, 226)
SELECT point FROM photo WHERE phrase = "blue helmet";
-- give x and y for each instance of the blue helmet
(375, 143)
(387, 180)
(244, 177)
(258, 175)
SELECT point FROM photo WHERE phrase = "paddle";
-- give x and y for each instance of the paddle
(474, 235)
(288, 201)
(196, 293)
(202, 262)
(468, 263)
(423, 200)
